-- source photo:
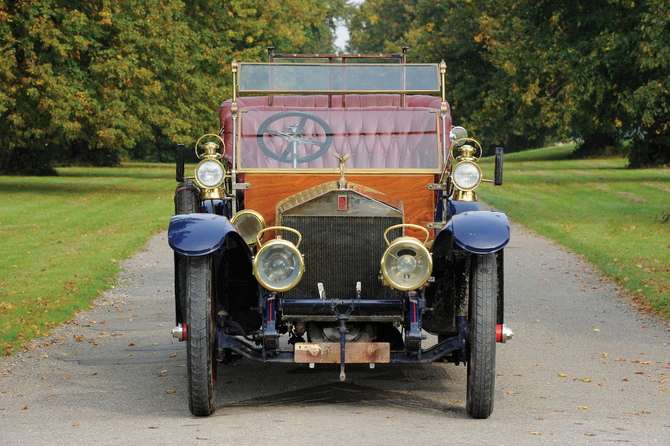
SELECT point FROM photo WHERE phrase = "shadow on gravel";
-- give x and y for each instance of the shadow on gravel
(349, 394)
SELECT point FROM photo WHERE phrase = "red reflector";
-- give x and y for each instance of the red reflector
(342, 203)
(498, 333)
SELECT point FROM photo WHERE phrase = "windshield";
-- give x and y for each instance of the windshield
(379, 138)
(260, 78)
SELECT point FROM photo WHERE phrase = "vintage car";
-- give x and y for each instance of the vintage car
(334, 219)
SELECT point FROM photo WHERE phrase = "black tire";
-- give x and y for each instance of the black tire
(200, 336)
(482, 336)
(185, 202)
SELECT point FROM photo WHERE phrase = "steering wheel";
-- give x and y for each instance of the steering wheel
(295, 135)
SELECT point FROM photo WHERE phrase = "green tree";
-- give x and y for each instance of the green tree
(651, 100)
(379, 26)
(523, 71)
(87, 81)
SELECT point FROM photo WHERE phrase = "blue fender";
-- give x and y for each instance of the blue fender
(479, 232)
(199, 234)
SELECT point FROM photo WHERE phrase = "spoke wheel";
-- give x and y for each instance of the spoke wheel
(482, 336)
(294, 135)
(200, 344)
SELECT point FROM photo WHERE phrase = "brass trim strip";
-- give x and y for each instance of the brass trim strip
(289, 171)
(303, 92)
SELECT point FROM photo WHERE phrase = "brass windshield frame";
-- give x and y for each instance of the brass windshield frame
(338, 92)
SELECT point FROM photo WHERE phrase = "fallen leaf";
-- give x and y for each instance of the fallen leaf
(606, 354)
(170, 391)
(44, 377)
(24, 408)
(583, 407)
(586, 380)
(625, 379)
(511, 393)
(562, 375)
(76, 424)
(559, 410)
(646, 412)
(596, 329)
(66, 377)
(153, 427)
(633, 413)
(456, 402)
(537, 320)
(590, 435)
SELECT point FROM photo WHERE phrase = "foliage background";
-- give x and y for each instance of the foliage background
(86, 82)
(524, 72)
(90, 81)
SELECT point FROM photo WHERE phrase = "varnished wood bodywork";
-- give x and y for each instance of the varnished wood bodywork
(419, 202)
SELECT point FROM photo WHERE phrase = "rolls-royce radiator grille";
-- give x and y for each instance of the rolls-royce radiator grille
(340, 251)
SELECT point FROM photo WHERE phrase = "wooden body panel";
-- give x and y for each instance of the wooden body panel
(419, 202)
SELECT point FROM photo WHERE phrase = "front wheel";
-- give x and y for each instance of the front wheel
(482, 336)
(200, 327)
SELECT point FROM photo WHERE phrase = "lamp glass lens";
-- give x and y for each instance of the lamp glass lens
(466, 176)
(210, 174)
(278, 267)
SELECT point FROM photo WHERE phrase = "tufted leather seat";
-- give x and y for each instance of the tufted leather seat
(373, 128)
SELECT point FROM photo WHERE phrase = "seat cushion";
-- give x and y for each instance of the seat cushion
(374, 129)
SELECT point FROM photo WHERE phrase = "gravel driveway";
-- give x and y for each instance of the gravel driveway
(583, 368)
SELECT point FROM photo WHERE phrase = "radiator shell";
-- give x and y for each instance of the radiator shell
(341, 246)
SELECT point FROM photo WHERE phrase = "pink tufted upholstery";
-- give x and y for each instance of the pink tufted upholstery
(373, 128)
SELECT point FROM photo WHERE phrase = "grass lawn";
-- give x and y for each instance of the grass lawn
(616, 217)
(61, 239)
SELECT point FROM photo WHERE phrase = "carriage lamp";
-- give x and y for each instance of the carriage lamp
(210, 173)
(248, 223)
(466, 175)
(406, 264)
(278, 265)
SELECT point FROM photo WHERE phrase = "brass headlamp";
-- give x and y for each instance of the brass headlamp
(278, 265)
(249, 224)
(406, 264)
(210, 172)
